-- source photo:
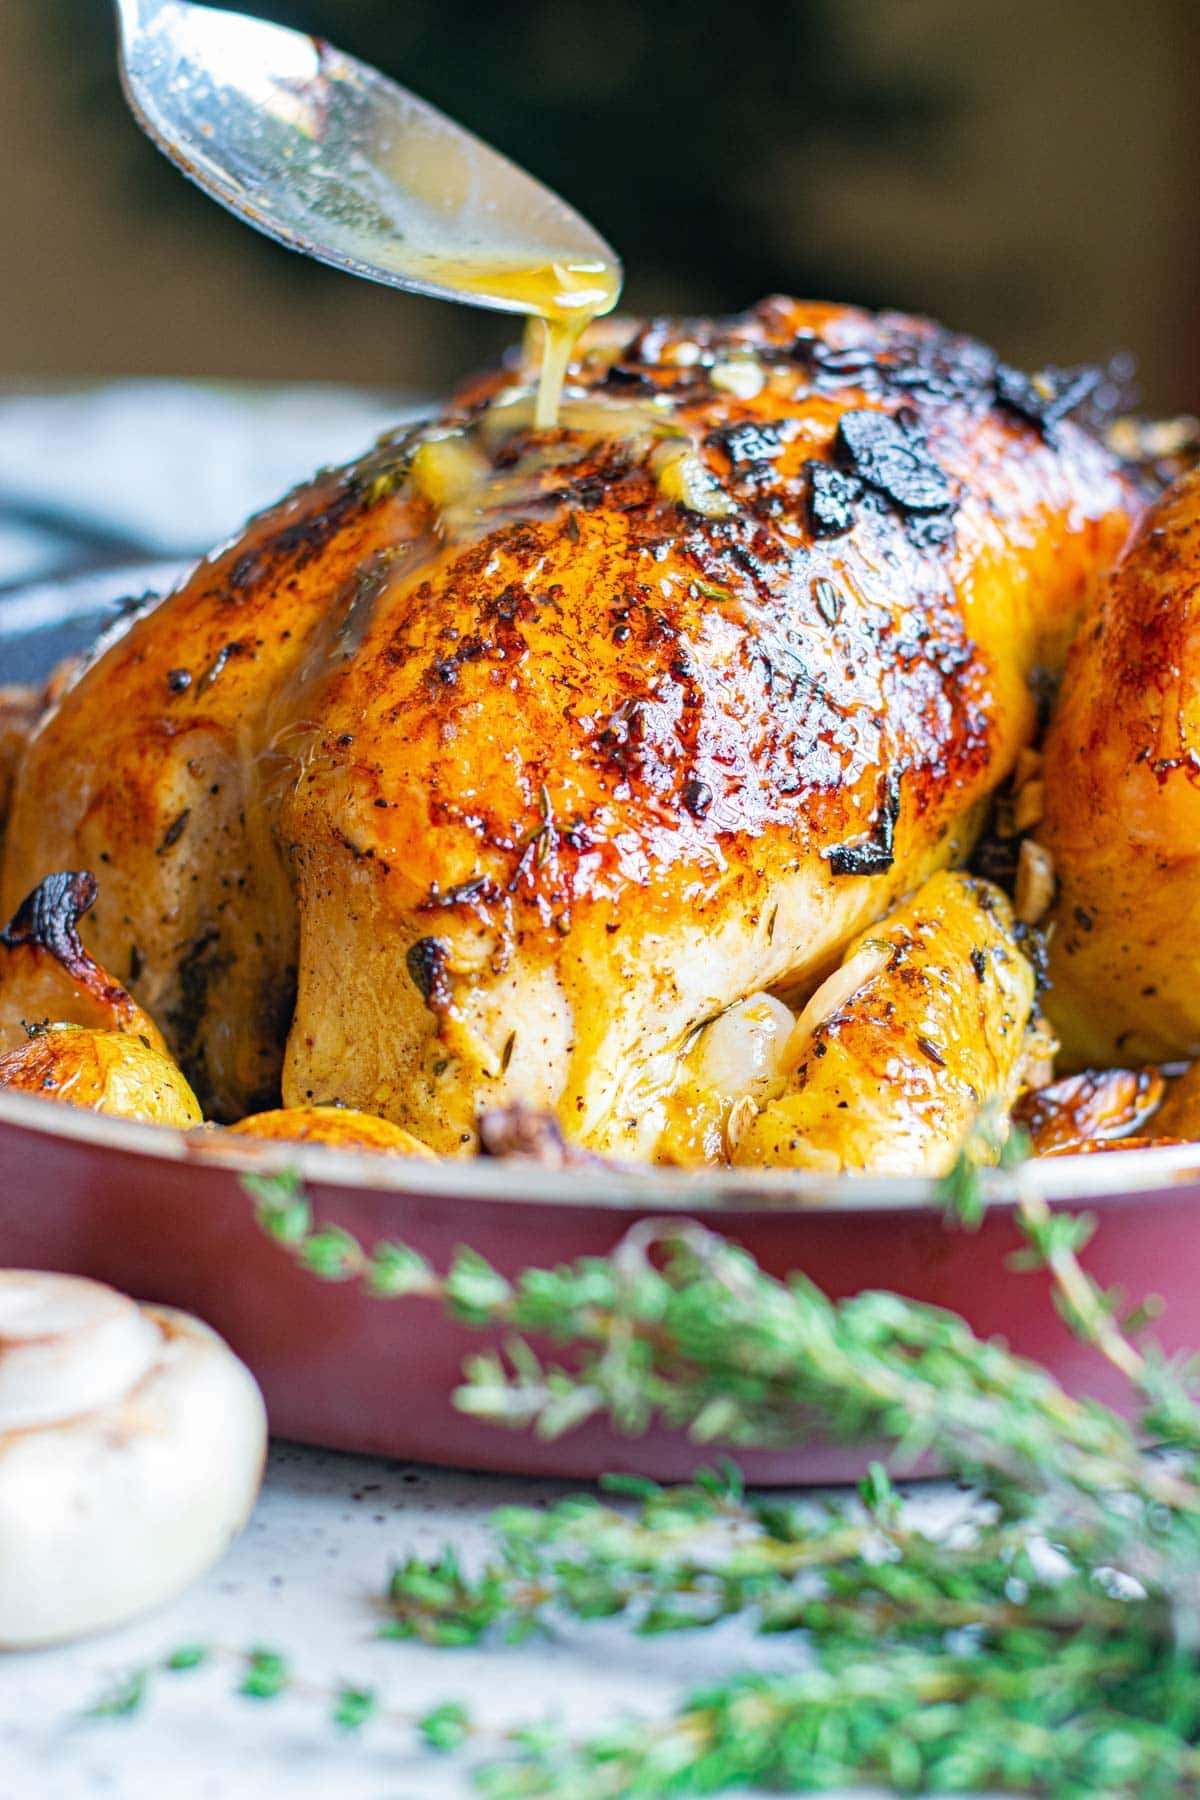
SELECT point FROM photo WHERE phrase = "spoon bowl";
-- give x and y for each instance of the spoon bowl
(330, 157)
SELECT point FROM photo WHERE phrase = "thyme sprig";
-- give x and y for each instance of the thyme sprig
(1053, 1241)
(263, 1673)
(681, 1327)
(1106, 1717)
(691, 1557)
(1101, 1724)
(924, 1661)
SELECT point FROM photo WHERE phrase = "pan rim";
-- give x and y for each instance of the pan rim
(1141, 1174)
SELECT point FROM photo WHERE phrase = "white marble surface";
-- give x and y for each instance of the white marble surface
(303, 1580)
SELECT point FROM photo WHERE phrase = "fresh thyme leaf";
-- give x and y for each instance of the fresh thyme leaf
(124, 1697)
(394, 1269)
(265, 1676)
(445, 1727)
(331, 1253)
(353, 1707)
(475, 1293)
(281, 1208)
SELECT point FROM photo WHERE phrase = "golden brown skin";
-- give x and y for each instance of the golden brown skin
(341, 1127)
(105, 1071)
(524, 765)
(923, 1025)
(1122, 805)
(20, 709)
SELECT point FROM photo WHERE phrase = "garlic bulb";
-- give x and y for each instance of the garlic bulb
(131, 1453)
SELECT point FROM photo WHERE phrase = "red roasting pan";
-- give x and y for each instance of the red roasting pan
(165, 1217)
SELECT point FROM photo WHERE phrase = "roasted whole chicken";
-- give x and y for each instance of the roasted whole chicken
(564, 768)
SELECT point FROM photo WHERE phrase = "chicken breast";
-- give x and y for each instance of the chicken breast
(487, 770)
(1122, 805)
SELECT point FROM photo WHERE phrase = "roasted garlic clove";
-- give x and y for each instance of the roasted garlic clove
(730, 1069)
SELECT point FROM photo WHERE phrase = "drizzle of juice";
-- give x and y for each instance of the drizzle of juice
(565, 296)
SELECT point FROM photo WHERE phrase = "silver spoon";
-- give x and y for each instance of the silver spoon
(328, 156)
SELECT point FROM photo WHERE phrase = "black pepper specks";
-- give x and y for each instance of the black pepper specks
(179, 680)
(215, 667)
(174, 831)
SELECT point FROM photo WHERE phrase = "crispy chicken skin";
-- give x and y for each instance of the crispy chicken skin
(924, 1023)
(486, 770)
(1122, 804)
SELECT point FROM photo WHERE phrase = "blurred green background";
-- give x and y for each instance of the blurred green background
(1024, 169)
